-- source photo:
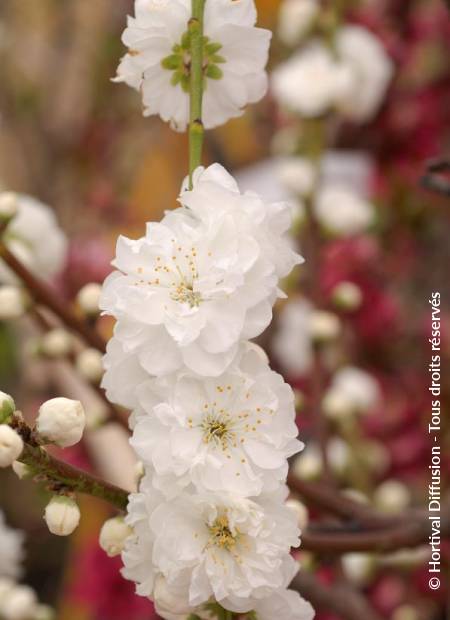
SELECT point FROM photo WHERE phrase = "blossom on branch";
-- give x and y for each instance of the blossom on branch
(158, 62)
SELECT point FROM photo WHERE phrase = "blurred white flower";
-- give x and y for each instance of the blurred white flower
(88, 298)
(12, 302)
(200, 281)
(359, 568)
(297, 174)
(392, 496)
(11, 550)
(89, 365)
(372, 68)
(57, 342)
(208, 545)
(352, 390)
(157, 64)
(36, 239)
(18, 603)
(295, 18)
(292, 342)
(311, 81)
(230, 434)
(342, 212)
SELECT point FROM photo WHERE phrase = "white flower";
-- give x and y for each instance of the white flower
(202, 279)
(311, 81)
(88, 298)
(9, 206)
(113, 536)
(342, 212)
(297, 174)
(157, 64)
(358, 567)
(208, 545)
(392, 496)
(284, 605)
(12, 302)
(309, 464)
(36, 239)
(11, 445)
(11, 550)
(7, 407)
(62, 515)
(324, 326)
(295, 18)
(18, 603)
(352, 390)
(347, 296)
(231, 434)
(123, 373)
(365, 55)
(61, 421)
(89, 365)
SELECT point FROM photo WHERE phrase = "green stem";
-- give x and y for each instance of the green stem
(196, 131)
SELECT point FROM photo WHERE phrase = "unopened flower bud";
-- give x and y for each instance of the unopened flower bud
(358, 567)
(90, 366)
(12, 302)
(295, 19)
(309, 464)
(57, 343)
(338, 455)
(336, 405)
(113, 536)
(19, 603)
(61, 421)
(44, 612)
(88, 298)
(62, 515)
(11, 445)
(301, 512)
(405, 612)
(7, 407)
(347, 296)
(324, 326)
(392, 496)
(21, 470)
(9, 205)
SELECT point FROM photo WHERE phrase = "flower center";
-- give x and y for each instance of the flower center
(217, 429)
(184, 294)
(221, 535)
(179, 61)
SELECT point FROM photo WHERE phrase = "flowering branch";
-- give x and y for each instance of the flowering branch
(44, 295)
(60, 475)
(196, 86)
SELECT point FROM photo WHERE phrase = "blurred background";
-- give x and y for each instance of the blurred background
(78, 142)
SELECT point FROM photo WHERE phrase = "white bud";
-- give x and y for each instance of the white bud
(301, 512)
(7, 407)
(347, 296)
(324, 326)
(90, 365)
(11, 445)
(336, 405)
(405, 612)
(88, 298)
(298, 175)
(113, 536)
(21, 470)
(308, 465)
(392, 496)
(62, 515)
(9, 205)
(44, 612)
(57, 343)
(19, 603)
(295, 19)
(61, 421)
(338, 454)
(12, 302)
(358, 567)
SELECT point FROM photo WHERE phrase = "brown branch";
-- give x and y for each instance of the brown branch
(44, 295)
(340, 599)
(62, 476)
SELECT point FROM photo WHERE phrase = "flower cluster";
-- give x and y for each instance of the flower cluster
(212, 424)
(158, 62)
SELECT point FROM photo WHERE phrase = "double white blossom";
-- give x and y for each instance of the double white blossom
(200, 281)
(11, 550)
(210, 546)
(158, 61)
(232, 434)
(35, 238)
(353, 80)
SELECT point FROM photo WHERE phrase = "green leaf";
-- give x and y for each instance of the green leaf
(172, 62)
(214, 72)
